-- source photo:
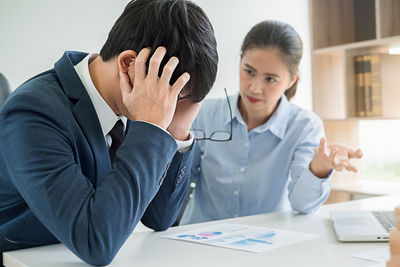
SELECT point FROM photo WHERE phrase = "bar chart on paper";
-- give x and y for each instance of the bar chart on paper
(241, 237)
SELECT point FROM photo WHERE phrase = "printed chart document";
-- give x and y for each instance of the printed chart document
(241, 237)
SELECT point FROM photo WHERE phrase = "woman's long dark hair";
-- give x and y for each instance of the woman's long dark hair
(276, 34)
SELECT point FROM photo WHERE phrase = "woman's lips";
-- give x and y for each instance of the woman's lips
(253, 100)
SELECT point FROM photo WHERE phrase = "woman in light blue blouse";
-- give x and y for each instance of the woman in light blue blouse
(277, 158)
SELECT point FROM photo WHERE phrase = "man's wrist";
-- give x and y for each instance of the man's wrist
(185, 146)
(181, 137)
(179, 133)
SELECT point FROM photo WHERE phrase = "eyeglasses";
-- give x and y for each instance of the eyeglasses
(217, 136)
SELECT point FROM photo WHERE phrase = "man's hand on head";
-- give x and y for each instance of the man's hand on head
(185, 113)
(152, 98)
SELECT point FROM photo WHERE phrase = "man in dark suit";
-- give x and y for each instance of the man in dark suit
(4, 89)
(63, 177)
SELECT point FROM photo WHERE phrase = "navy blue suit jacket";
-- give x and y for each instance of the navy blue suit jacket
(56, 180)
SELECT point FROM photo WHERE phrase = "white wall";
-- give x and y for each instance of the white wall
(232, 19)
(34, 34)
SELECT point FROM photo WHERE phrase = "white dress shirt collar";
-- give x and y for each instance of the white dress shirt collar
(106, 115)
(277, 123)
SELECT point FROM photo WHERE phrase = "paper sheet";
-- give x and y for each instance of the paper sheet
(241, 237)
(375, 255)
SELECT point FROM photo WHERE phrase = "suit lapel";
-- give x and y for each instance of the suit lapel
(128, 124)
(84, 113)
(86, 117)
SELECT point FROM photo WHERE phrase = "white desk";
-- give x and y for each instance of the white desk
(148, 249)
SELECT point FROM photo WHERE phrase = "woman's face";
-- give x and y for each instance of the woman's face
(264, 78)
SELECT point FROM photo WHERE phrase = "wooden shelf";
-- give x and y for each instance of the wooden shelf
(362, 119)
(342, 21)
(390, 23)
(346, 191)
(341, 30)
(386, 42)
(334, 95)
(390, 80)
(329, 91)
(366, 187)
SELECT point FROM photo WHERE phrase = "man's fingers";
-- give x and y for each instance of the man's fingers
(397, 212)
(155, 61)
(168, 71)
(124, 83)
(140, 63)
(180, 83)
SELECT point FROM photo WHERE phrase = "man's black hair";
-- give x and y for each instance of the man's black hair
(179, 25)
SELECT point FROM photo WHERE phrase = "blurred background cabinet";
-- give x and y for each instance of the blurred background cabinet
(341, 30)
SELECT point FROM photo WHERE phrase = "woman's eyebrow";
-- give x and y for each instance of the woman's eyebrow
(266, 74)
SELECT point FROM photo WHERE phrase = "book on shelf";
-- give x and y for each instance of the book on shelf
(359, 86)
(368, 85)
(374, 84)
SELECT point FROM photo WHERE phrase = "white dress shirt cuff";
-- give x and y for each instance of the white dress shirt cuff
(183, 146)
